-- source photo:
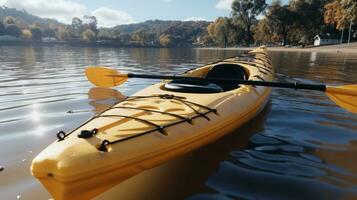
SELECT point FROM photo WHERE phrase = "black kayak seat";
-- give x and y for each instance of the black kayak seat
(192, 86)
(220, 71)
(227, 71)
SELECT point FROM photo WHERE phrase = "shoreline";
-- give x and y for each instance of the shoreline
(341, 48)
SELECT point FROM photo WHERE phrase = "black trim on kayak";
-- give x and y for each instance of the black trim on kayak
(62, 135)
(259, 77)
(105, 143)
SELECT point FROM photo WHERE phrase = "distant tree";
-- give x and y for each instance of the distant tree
(77, 23)
(337, 14)
(235, 32)
(165, 40)
(263, 33)
(48, 32)
(245, 12)
(123, 38)
(224, 32)
(140, 36)
(36, 34)
(220, 32)
(350, 6)
(62, 33)
(207, 40)
(310, 18)
(26, 34)
(12, 30)
(280, 19)
(22, 24)
(91, 23)
(2, 29)
(89, 36)
(76, 28)
(9, 20)
(210, 29)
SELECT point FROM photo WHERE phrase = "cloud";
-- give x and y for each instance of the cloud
(195, 19)
(62, 10)
(168, 1)
(224, 4)
(108, 17)
(65, 10)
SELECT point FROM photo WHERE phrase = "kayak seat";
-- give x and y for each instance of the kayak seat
(227, 71)
(192, 86)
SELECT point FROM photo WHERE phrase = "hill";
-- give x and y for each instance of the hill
(157, 32)
(24, 16)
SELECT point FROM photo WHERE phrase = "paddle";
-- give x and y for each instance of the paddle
(345, 96)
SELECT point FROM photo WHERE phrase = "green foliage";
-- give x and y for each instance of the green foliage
(244, 12)
(12, 30)
(309, 18)
(2, 29)
(36, 34)
(280, 20)
(91, 23)
(180, 33)
(224, 32)
(49, 33)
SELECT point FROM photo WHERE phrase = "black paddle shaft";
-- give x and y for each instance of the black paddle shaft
(244, 82)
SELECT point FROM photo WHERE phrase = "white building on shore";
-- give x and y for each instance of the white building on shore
(325, 40)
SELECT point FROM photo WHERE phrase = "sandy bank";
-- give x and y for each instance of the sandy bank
(344, 48)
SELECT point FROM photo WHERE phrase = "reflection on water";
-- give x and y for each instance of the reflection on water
(302, 146)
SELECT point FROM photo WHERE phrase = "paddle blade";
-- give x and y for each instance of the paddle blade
(344, 96)
(105, 77)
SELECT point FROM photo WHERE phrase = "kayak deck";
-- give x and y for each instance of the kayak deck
(149, 128)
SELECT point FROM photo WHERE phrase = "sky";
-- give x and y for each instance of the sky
(110, 13)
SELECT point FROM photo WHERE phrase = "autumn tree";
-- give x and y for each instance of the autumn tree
(9, 20)
(245, 12)
(140, 36)
(62, 33)
(263, 33)
(20, 23)
(164, 40)
(88, 35)
(350, 6)
(338, 13)
(26, 34)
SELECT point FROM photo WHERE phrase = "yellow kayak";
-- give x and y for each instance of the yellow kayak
(154, 125)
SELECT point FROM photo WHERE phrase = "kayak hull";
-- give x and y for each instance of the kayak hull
(75, 169)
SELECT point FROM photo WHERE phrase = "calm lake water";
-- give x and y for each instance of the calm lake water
(302, 146)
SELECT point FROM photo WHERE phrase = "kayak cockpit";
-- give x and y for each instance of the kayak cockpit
(219, 71)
